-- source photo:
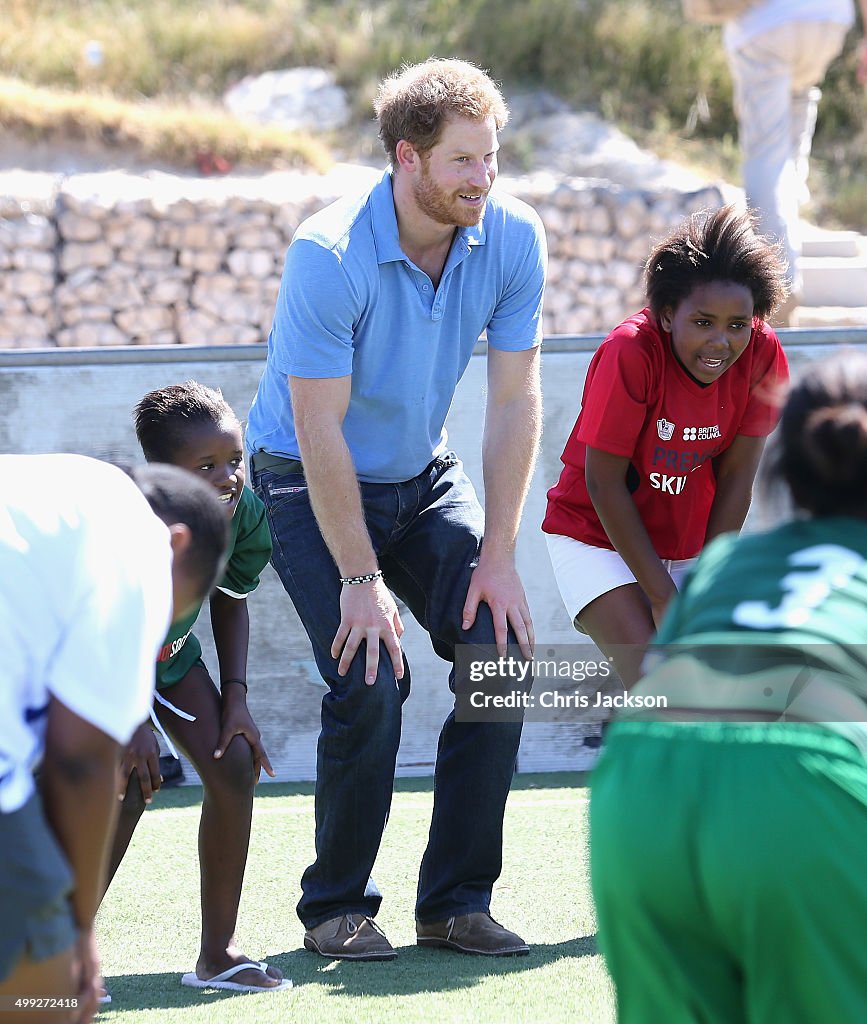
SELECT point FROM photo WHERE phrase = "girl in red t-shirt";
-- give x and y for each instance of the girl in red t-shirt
(677, 404)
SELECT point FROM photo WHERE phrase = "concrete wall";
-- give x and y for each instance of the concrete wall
(110, 259)
(81, 401)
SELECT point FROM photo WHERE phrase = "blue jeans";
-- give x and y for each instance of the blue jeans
(427, 534)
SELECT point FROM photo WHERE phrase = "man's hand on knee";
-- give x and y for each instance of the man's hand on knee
(497, 584)
(368, 613)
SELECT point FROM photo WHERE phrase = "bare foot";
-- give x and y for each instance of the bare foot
(210, 968)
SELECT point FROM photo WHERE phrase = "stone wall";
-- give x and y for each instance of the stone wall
(120, 259)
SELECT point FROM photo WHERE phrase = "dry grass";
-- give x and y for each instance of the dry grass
(176, 134)
(167, 63)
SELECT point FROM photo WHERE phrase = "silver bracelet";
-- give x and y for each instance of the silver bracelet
(369, 577)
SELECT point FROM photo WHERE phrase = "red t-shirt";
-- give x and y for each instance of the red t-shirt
(639, 402)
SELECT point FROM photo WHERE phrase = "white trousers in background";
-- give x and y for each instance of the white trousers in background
(776, 77)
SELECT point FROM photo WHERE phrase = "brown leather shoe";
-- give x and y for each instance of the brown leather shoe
(472, 933)
(349, 937)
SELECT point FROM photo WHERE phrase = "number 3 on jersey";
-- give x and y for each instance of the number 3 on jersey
(818, 570)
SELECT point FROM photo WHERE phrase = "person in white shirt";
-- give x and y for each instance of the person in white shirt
(779, 52)
(94, 564)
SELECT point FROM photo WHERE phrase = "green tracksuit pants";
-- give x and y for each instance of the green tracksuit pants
(729, 869)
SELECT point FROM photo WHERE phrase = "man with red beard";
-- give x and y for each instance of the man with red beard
(383, 299)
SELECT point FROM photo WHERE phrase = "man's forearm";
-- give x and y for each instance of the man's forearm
(336, 501)
(511, 444)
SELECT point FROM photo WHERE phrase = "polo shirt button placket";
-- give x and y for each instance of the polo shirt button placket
(437, 308)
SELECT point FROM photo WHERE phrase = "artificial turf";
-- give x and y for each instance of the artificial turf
(149, 924)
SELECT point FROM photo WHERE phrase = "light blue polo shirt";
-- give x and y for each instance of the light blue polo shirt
(351, 302)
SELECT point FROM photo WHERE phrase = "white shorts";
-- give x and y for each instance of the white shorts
(584, 572)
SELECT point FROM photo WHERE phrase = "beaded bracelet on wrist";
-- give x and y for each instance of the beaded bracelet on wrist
(368, 577)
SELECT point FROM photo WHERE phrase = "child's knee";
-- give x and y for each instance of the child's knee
(233, 771)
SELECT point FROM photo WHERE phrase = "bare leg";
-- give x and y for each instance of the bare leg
(55, 976)
(131, 810)
(620, 623)
(224, 831)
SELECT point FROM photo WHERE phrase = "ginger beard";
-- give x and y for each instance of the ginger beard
(443, 205)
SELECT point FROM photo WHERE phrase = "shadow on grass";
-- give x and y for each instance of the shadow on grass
(416, 970)
(189, 796)
(423, 970)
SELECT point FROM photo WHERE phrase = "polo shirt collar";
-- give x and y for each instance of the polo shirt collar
(383, 220)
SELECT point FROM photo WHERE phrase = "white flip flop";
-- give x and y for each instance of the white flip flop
(223, 981)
